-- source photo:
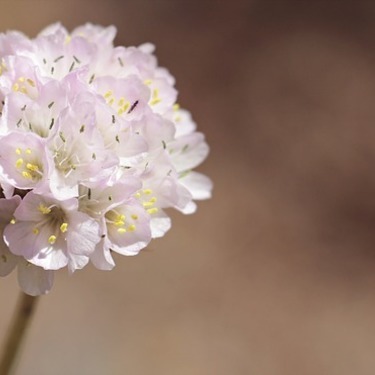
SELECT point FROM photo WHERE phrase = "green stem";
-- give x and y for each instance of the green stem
(16, 333)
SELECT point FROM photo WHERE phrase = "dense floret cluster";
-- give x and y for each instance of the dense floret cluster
(93, 148)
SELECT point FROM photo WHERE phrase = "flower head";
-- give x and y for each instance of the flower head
(93, 150)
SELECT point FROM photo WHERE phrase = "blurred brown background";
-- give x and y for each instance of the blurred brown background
(276, 274)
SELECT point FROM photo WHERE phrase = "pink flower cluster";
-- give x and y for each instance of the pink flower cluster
(93, 148)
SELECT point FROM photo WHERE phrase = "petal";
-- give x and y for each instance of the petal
(49, 257)
(160, 224)
(77, 262)
(102, 258)
(130, 242)
(8, 261)
(189, 209)
(83, 234)
(21, 239)
(188, 152)
(184, 122)
(34, 280)
(199, 185)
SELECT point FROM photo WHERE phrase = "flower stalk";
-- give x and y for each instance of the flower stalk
(16, 334)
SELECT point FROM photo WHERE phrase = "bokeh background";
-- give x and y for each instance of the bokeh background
(276, 274)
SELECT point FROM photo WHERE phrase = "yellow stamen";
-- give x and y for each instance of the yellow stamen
(155, 101)
(21, 79)
(121, 230)
(153, 200)
(68, 39)
(176, 107)
(108, 94)
(19, 163)
(137, 195)
(36, 231)
(32, 167)
(18, 151)
(153, 210)
(27, 175)
(134, 217)
(13, 221)
(147, 82)
(132, 228)
(147, 204)
(28, 151)
(44, 209)
(119, 223)
(147, 191)
(16, 87)
(64, 227)
(52, 239)
(155, 97)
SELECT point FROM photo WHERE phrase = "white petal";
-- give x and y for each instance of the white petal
(199, 185)
(8, 261)
(83, 234)
(102, 258)
(190, 151)
(160, 224)
(190, 208)
(34, 280)
(147, 47)
(21, 239)
(77, 262)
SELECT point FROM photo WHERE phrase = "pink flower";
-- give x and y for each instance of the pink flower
(33, 280)
(93, 150)
(52, 234)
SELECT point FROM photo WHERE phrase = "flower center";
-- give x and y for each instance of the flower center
(55, 219)
(121, 105)
(66, 160)
(23, 85)
(148, 201)
(27, 165)
(119, 221)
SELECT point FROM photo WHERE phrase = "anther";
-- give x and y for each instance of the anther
(108, 94)
(44, 209)
(32, 167)
(132, 228)
(19, 163)
(64, 227)
(52, 239)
